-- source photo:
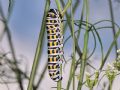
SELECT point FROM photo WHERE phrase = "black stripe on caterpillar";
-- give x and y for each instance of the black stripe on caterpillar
(55, 43)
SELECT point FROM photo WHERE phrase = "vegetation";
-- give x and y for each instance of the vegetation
(81, 58)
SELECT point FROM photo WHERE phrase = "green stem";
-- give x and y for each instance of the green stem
(91, 88)
(69, 24)
(72, 70)
(81, 19)
(73, 34)
(67, 15)
(66, 7)
(58, 5)
(84, 56)
(59, 85)
(38, 49)
(62, 12)
(74, 82)
(109, 50)
(110, 85)
(113, 26)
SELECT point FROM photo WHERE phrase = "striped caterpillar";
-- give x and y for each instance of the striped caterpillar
(55, 43)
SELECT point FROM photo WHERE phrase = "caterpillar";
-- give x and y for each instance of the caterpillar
(55, 44)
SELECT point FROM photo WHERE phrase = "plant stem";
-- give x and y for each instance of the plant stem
(38, 49)
(73, 34)
(66, 7)
(109, 50)
(72, 70)
(113, 26)
(59, 85)
(84, 56)
(62, 12)
(67, 15)
(58, 5)
(110, 85)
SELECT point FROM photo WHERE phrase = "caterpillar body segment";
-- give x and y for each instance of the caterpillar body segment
(56, 51)
(55, 59)
(52, 31)
(56, 76)
(55, 44)
(53, 66)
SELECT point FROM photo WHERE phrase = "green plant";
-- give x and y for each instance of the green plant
(80, 28)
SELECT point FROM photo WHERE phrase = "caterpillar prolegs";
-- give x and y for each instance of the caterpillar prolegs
(55, 43)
